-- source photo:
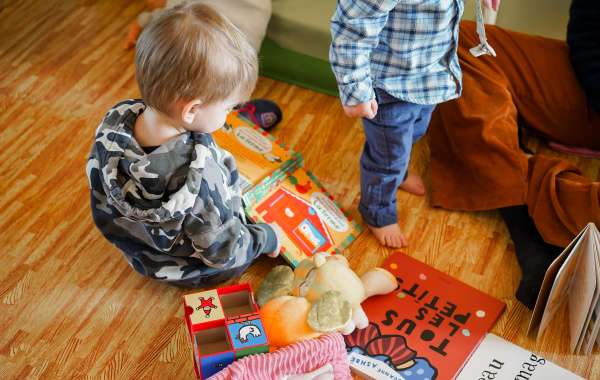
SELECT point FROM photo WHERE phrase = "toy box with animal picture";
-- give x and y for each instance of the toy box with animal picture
(311, 220)
(224, 325)
(260, 158)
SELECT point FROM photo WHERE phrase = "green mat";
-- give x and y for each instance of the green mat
(296, 48)
(303, 70)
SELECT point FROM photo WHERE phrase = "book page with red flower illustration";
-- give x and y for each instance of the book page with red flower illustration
(426, 329)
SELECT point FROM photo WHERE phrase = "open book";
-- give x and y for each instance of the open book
(574, 277)
(495, 358)
(278, 190)
(260, 158)
(310, 218)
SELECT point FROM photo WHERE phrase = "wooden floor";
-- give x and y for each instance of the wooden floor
(70, 306)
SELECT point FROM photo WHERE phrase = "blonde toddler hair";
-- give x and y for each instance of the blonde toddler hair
(193, 52)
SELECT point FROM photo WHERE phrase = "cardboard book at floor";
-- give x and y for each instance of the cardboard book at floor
(277, 190)
(426, 329)
(311, 220)
(573, 279)
(260, 158)
(498, 359)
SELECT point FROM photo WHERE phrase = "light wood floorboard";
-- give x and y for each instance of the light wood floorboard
(70, 307)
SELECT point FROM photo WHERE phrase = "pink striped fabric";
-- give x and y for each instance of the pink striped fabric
(298, 358)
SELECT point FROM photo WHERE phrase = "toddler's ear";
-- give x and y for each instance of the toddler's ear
(190, 109)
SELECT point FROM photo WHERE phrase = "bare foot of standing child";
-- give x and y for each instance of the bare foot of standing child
(413, 184)
(390, 236)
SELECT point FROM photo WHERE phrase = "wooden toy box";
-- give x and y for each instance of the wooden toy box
(223, 325)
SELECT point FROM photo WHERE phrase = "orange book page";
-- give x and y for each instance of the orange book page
(257, 153)
(427, 328)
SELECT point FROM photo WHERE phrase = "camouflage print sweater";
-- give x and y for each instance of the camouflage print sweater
(176, 213)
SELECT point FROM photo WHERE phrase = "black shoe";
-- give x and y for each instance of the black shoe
(262, 112)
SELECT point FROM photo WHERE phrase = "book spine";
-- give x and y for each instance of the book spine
(258, 192)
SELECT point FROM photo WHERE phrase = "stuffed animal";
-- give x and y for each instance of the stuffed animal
(321, 295)
(250, 16)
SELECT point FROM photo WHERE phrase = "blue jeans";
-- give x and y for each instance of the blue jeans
(384, 161)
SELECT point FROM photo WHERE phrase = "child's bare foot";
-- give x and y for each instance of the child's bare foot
(413, 184)
(390, 236)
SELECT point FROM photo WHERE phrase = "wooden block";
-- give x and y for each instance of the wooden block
(209, 365)
(213, 350)
(203, 307)
(247, 333)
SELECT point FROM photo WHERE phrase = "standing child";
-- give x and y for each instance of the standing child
(394, 60)
(161, 190)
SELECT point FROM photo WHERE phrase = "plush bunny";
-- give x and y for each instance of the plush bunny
(321, 295)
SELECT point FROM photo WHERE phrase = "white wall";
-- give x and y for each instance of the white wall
(543, 17)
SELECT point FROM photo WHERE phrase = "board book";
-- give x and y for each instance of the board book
(573, 278)
(426, 329)
(497, 359)
(311, 220)
(260, 158)
(278, 190)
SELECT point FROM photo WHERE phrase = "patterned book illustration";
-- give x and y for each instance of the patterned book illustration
(311, 220)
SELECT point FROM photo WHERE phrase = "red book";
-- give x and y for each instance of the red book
(426, 329)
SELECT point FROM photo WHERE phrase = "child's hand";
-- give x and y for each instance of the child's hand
(279, 235)
(366, 109)
(492, 4)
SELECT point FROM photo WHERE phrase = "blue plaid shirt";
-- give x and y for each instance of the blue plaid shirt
(405, 47)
